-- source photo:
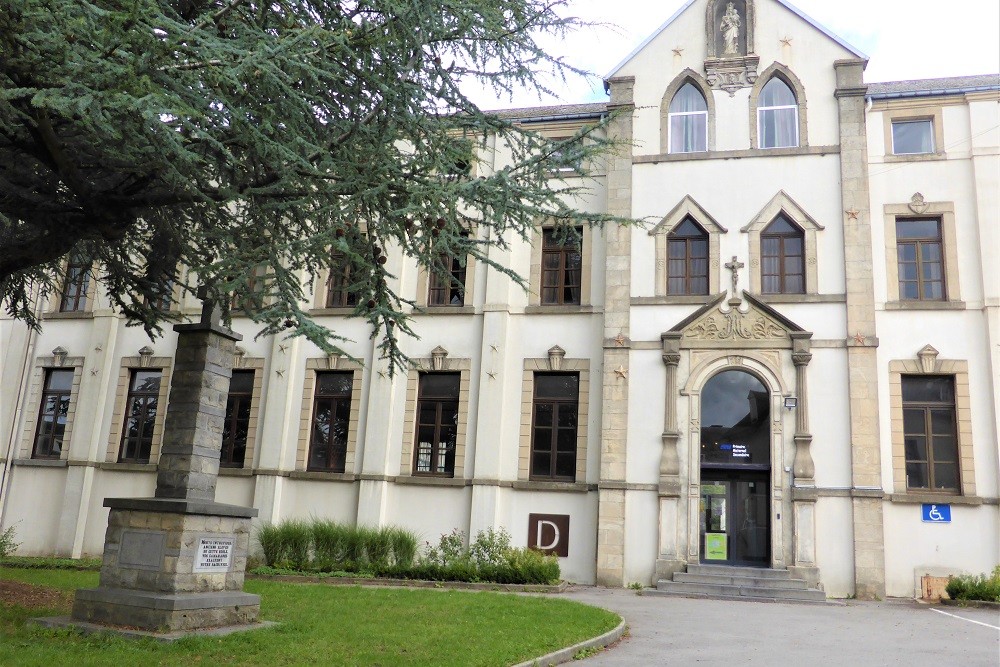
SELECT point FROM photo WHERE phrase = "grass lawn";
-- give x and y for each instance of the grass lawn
(328, 625)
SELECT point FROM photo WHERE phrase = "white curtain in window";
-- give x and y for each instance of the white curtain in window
(777, 116)
(688, 121)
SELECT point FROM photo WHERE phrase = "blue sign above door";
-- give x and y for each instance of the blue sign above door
(936, 513)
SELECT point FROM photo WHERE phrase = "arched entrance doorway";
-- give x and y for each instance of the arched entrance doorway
(735, 470)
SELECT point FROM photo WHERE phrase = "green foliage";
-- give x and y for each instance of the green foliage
(975, 587)
(8, 543)
(325, 548)
(44, 563)
(237, 138)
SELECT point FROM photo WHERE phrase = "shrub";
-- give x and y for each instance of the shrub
(490, 547)
(271, 544)
(378, 546)
(975, 587)
(298, 537)
(450, 549)
(8, 545)
(404, 546)
(329, 544)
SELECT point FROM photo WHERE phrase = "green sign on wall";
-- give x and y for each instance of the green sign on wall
(715, 546)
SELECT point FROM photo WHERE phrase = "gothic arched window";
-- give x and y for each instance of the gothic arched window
(782, 258)
(688, 121)
(777, 116)
(687, 259)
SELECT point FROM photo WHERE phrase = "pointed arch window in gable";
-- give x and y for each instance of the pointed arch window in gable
(782, 258)
(777, 116)
(688, 121)
(687, 259)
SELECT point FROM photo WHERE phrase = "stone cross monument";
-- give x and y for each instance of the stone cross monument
(176, 562)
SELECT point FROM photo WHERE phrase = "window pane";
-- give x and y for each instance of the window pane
(918, 229)
(566, 465)
(334, 384)
(146, 381)
(794, 285)
(689, 133)
(933, 290)
(929, 389)
(241, 383)
(566, 440)
(778, 128)
(442, 385)
(552, 385)
(916, 475)
(944, 449)
(543, 414)
(915, 447)
(776, 93)
(913, 421)
(688, 228)
(912, 136)
(59, 380)
(781, 225)
(541, 461)
(688, 98)
(946, 476)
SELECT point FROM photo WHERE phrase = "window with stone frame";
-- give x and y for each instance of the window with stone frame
(331, 416)
(253, 299)
(53, 413)
(687, 259)
(74, 293)
(437, 424)
(554, 423)
(912, 136)
(687, 121)
(446, 287)
(782, 258)
(920, 259)
(930, 440)
(236, 429)
(338, 291)
(141, 405)
(562, 266)
(777, 115)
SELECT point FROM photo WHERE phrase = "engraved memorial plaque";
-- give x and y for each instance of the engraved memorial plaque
(142, 549)
(215, 554)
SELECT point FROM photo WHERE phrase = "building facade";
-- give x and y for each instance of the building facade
(794, 364)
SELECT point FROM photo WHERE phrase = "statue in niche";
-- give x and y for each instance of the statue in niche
(730, 28)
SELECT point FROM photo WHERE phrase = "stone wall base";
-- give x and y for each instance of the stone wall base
(810, 574)
(165, 612)
(665, 569)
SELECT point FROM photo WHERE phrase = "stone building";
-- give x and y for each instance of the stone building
(793, 365)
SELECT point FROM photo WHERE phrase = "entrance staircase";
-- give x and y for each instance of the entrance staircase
(737, 583)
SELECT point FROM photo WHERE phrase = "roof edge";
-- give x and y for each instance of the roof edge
(790, 7)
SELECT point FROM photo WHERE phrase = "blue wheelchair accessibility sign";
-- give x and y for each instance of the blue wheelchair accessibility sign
(937, 513)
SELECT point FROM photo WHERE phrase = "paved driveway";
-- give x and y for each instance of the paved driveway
(680, 631)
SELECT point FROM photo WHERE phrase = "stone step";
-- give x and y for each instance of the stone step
(751, 572)
(752, 582)
(739, 592)
(735, 598)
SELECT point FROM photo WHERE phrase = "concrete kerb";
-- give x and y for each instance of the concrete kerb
(567, 654)
(67, 623)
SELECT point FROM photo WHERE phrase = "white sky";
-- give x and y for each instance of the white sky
(904, 39)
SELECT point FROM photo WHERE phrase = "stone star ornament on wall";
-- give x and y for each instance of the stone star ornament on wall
(621, 372)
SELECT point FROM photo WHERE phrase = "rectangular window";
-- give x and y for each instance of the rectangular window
(74, 294)
(448, 289)
(562, 266)
(919, 259)
(930, 438)
(140, 416)
(338, 294)
(237, 424)
(555, 410)
(52, 414)
(911, 137)
(437, 424)
(331, 418)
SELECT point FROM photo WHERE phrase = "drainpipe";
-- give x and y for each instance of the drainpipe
(29, 355)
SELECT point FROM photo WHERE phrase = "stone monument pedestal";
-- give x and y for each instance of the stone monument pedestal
(175, 562)
(172, 565)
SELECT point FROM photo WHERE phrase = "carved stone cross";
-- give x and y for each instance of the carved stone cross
(735, 267)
